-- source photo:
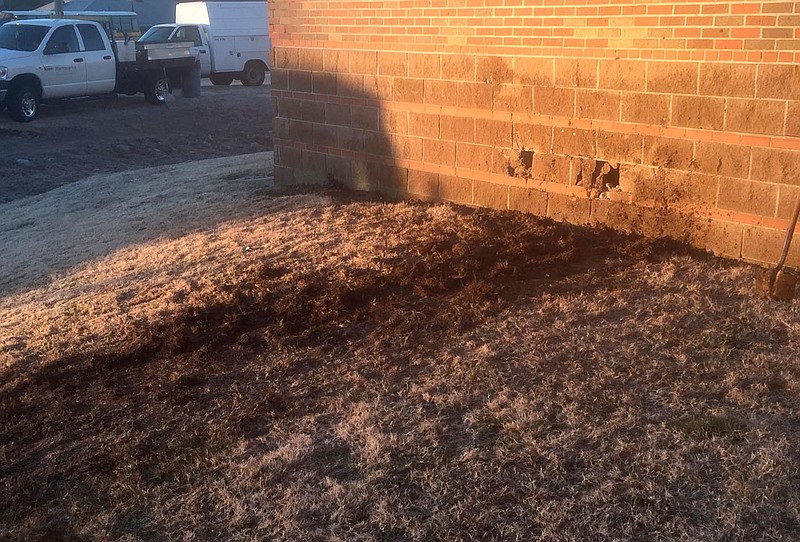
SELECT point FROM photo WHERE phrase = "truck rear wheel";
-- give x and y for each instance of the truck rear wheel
(156, 89)
(254, 74)
(221, 79)
(23, 103)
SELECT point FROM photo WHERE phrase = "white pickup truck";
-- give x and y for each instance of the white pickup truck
(47, 59)
(231, 39)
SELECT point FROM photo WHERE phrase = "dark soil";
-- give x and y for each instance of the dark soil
(72, 140)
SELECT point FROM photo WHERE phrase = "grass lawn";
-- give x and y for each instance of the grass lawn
(189, 354)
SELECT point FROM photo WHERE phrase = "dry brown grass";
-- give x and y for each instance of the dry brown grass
(267, 366)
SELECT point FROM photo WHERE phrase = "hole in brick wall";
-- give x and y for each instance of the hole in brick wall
(605, 176)
(526, 157)
(521, 165)
(598, 178)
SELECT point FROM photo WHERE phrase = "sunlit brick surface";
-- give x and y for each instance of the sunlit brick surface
(671, 118)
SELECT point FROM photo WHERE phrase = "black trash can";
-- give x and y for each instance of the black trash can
(190, 82)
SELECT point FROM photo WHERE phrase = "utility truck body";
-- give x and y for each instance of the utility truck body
(231, 38)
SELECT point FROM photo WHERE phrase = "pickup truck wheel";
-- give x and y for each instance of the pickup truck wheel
(220, 79)
(156, 90)
(253, 75)
(23, 103)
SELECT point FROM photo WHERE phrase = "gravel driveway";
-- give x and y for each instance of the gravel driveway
(72, 140)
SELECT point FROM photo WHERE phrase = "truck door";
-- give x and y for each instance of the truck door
(191, 33)
(101, 71)
(206, 64)
(225, 59)
(63, 65)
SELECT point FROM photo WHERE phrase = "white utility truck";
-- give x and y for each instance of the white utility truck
(48, 59)
(231, 39)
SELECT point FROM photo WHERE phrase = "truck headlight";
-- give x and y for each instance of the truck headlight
(3, 73)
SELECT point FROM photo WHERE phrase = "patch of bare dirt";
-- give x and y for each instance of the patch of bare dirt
(73, 140)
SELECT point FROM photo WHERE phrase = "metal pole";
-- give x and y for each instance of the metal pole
(58, 8)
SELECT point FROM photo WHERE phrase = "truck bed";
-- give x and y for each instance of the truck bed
(164, 51)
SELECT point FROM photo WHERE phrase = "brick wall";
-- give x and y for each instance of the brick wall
(676, 118)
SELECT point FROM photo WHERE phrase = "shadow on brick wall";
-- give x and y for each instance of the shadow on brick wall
(330, 130)
(478, 142)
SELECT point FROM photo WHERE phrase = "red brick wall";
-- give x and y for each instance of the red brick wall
(675, 118)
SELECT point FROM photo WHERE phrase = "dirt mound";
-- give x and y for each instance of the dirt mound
(440, 272)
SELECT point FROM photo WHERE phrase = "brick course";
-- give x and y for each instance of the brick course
(518, 104)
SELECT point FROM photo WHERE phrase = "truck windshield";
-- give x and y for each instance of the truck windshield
(22, 37)
(157, 34)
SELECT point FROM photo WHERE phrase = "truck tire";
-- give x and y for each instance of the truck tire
(221, 79)
(254, 74)
(156, 88)
(23, 103)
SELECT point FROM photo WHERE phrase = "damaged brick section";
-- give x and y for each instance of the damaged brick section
(603, 178)
(521, 165)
